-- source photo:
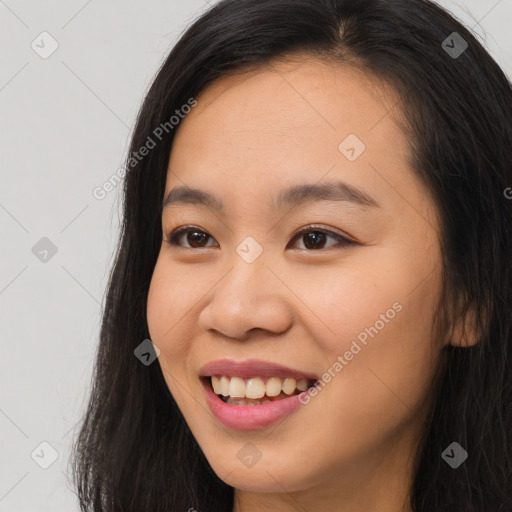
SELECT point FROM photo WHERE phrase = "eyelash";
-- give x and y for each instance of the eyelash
(173, 236)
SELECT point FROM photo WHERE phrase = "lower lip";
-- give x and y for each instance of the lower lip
(250, 417)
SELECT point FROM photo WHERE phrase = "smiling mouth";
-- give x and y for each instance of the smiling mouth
(256, 390)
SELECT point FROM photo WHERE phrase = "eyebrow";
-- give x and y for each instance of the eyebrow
(292, 196)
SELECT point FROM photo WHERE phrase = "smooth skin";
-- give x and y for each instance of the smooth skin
(304, 300)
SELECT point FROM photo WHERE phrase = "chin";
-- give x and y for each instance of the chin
(260, 481)
(262, 477)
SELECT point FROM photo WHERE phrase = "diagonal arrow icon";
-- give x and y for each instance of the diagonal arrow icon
(454, 455)
(249, 249)
(454, 45)
(249, 455)
(44, 455)
(147, 352)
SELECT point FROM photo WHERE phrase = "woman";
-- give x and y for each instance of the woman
(310, 306)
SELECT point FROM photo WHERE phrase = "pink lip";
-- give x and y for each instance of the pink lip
(252, 368)
(249, 417)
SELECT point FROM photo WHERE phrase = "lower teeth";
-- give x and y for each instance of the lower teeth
(252, 401)
(243, 401)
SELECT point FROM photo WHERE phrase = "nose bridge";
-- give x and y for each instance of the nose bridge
(247, 282)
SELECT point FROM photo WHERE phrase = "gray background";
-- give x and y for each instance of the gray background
(65, 126)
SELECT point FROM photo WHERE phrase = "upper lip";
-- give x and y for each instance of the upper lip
(252, 368)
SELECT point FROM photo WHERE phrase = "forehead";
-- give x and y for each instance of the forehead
(283, 124)
(308, 91)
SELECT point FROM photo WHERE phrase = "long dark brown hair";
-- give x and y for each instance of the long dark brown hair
(134, 451)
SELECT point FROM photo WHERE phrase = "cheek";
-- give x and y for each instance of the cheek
(343, 303)
(375, 337)
(167, 306)
(378, 370)
(168, 301)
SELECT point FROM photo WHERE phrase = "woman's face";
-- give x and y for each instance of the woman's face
(242, 286)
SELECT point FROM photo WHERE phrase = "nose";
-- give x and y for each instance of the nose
(247, 298)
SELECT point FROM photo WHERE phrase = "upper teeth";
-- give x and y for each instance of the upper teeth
(256, 387)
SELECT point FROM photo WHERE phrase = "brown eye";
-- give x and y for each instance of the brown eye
(194, 237)
(315, 239)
